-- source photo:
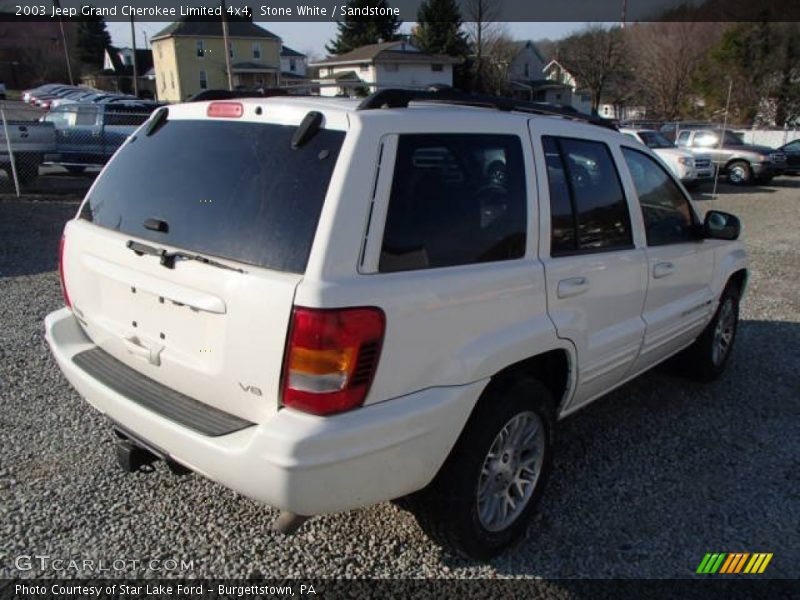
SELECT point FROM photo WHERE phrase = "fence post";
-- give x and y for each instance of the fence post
(10, 151)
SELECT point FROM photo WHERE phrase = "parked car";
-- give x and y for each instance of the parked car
(27, 95)
(670, 129)
(87, 134)
(792, 152)
(323, 304)
(45, 101)
(692, 169)
(76, 96)
(741, 163)
(30, 140)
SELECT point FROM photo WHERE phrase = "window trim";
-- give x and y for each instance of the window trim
(626, 201)
(200, 49)
(256, 48)
(386, 164)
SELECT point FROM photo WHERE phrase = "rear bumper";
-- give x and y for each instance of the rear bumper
(294, 461)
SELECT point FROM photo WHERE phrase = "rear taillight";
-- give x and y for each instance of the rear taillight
(228, 110)
(331, 358)
(61, 271)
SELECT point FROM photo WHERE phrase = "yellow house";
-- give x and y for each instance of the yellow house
(189, 57)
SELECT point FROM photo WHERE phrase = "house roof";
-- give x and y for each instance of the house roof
(144, 61)
(522, 44)
(341, 76)
(286, 51)
(391, 52)
(237, 28)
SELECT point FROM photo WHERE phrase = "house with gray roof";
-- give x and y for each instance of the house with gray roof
(368, 68)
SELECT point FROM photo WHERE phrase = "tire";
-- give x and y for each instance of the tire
(450, 510)
(75, 170)
(739, 173)
(706, 358)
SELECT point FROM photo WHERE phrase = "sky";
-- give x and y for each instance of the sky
(311, 37)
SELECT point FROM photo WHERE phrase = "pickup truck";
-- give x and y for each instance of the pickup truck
(87, 134)
(741, 163)
(30, 141)
(323, 303)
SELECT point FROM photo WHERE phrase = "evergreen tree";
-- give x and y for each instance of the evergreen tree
(355, 31)
(439, 28)
(93, 39)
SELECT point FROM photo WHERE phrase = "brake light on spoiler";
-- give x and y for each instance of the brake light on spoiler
(226, 110)
(331, 358)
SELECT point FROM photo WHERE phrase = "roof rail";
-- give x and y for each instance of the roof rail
(400, 98)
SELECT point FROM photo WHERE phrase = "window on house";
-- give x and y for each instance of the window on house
(201, 50)
(588, 210)
(527, 71)
(256, 50)
(437, 67)
(392, 67)
(363, 67)
(558, 96)
(292, 64)
(203, 80)
(456, 199)
(230, 49)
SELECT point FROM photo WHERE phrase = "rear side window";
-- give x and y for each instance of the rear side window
(588, 209)
(456, 199)
(227, 189)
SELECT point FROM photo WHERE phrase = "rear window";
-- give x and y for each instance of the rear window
(227, 189)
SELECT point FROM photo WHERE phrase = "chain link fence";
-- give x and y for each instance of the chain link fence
(60, 151)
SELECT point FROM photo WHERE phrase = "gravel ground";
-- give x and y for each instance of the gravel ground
(646, 481)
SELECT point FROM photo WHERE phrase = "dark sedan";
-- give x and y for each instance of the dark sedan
(792, 152)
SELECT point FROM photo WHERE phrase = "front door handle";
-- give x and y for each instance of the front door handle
(574, 286)
(663, 269)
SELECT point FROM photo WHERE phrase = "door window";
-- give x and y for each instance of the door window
(456, 199)
(588, 209)
(666, 211)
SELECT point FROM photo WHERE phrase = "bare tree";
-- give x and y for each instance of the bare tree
(480, 22)
(666, 59)
(596, 57)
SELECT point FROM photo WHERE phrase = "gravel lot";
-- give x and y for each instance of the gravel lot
(646, 481)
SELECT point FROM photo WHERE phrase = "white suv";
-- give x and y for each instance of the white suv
(690, 167)
(324, 305)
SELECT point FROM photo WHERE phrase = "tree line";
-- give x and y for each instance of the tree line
(674, 70)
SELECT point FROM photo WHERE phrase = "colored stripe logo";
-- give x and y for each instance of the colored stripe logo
(731, 563)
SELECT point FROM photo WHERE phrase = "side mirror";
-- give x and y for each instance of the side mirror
(719, 225)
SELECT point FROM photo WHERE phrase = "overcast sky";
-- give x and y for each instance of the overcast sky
(311, 37)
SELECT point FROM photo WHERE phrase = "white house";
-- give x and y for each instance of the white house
(525, 69)
(294, 67)
(565, 89)
(375, 66)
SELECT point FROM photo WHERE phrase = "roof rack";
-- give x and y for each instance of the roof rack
(400, 98)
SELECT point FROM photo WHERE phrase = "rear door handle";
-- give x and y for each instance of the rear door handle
(574, 286)
(663, 269)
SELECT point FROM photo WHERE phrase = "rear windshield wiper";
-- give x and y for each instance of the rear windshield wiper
(167, 259)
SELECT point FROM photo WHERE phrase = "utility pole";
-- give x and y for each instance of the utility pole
(226, 44)
(135, 70)
(624, 14)
(722, 137)
(57, 5)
